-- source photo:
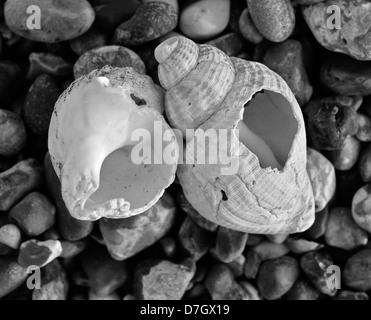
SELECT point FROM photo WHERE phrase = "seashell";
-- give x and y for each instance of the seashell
(91, 143)
(266, 189)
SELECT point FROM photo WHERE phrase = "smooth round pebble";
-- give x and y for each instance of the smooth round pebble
(60, 19)
(248, 29)
(347, 156)
(116, 56)
(302, 290)
(357, 271)
(364, 130)
(361, 207)
(230, 244)
(10, 235)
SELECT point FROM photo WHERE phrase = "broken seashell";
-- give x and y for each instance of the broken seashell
(266, 188)
(91, 143)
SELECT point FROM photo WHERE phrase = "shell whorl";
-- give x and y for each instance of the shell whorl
(197, 79)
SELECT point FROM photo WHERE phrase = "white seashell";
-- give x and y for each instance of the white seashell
(212, 95)
(90, 144)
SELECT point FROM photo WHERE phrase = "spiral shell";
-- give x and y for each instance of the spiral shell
(208, 90)
(91, 144)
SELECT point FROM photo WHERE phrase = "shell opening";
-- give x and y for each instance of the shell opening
(268, 128)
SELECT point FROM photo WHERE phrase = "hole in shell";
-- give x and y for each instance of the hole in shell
(224, 196)
(138, 101)
(268, 128)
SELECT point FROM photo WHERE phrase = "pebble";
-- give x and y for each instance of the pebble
(10, 79)
(361, 208)
(349, 295)
(237, 265)
(252, 264)
(365, 164)
(342, 232)
(322, 177)
(151, 20)
(252, 292)
(39, 104)
(194, 240)
(93, 38)
(61, 20)
(347, 156)
(221, 284)
(302, 290)
(248, 29)
(357, 271)
(70, 228)
(34, 214)
(195, 216)
(12, 275)
(230, 244)
(353, 37)
(277, 276)
(126, 237)
(204, 19)
(42, 62)
(346, 76)
(364, 128)
(111, 14)
(112, 296)
(230, 43)
(275, 19)
(329, 123)
(286, 59)
(277, 238)
(10, 235)
(54, 285)
(254, 239)
(314, 265)
(300, 246)
(116, 56)
(39, 253)
(162, 279)
(19, 180)
(104, 273)
(12, 133)
(72, 249)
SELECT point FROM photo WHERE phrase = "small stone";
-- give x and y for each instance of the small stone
(277, 276)
(112, 296)
(352, 38)
(346, 157)
(204, 19)
(39, 104)
(162, 279)
(10, 235)
(365, 164)
(126, 237)
(342, 232)
(12, 133)
(277, 238)
(357, 271)
(129, 297)
(315, 265)
(104, 273)
(54, 285)
(230, 43)
(39, 253)
(221, 284)
(302, 290)
(230, 244)
(237, 265)
(19, 180)
(70, 228)
(364, 128)
(254, 239)
(116, 56)
(91, 39)
(61, 20)
(10, 80)
(300, 246)
(361, 208)
(51, 234)
(12, 275)
(195, 216)
(34, 214)
(322, 178)
(194, 240)
(41, 62)
(111, 14)
(275, 19)
(286, 59)
(151, 20)
(248, 28)
(346, 76)
(329, 123)
(72, 249)
(252, 264)
(349, 295)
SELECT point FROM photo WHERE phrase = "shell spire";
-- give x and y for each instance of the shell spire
(264, 188)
